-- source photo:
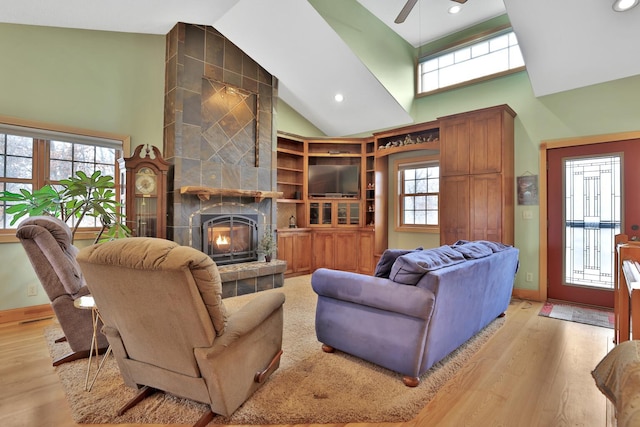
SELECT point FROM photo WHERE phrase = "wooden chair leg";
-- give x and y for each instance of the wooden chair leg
(70, 357)
(144, 392)
(76, 355)
(204, 419)
(259, 377)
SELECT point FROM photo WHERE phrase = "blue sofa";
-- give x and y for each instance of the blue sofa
(418, 307)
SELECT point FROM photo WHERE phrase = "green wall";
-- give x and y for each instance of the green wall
(102, 81)
(289, 120)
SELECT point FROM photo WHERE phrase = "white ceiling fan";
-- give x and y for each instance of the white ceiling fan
(407, 9)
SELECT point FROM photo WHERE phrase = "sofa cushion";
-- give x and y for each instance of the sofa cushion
(473, 250)
(494, 246)
(389, 256)
(409, 268)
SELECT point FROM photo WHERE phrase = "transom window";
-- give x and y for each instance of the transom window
(418, 194)
(484, 58)
(33, 157)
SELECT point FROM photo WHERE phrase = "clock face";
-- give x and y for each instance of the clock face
(145, 181)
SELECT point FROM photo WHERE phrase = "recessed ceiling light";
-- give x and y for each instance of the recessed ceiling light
(624, 5)
(455, 9)
(339, 97)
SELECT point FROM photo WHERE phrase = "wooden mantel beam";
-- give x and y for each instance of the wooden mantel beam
(204, 193)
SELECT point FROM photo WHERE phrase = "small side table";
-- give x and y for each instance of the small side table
(88, 303)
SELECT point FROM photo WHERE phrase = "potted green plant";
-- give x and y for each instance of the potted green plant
(75, 198)
(268, 244)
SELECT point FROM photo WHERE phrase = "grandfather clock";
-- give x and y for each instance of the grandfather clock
(143, 178)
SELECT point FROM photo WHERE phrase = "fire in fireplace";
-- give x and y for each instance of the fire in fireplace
(230, 239)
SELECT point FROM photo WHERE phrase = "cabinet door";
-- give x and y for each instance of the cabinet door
(454, 147)
(302, 253)
(366, 262)
(286, 251)
(322, 250)
(348, 213)
(346, 251)
(454, 211)
(485, 143)
(486, 207)
(320, 214)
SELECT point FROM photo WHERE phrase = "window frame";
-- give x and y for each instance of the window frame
(399, 166)
(42, 133)
(461, 44)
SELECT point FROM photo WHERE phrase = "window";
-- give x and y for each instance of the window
(31, 157)
(418, 194)
(480, 59)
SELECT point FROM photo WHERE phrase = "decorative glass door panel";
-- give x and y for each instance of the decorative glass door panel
(320, 213)
(592, 205)
(348, 213)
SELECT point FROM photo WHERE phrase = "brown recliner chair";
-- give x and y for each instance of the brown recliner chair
(47, 241)
(164, 317)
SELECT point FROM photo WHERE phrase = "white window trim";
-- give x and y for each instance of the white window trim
(398, 165)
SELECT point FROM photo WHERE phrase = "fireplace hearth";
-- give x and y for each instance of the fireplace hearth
(230, 239)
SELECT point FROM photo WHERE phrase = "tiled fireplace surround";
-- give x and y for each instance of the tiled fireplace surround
(210, 141)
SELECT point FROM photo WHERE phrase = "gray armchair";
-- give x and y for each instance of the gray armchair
(166, 322)
(47, 242)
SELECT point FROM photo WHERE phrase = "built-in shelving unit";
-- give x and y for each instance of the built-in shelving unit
(291, 174)
(339, 210)
(370, 183)
(335, 229)
(348, 231)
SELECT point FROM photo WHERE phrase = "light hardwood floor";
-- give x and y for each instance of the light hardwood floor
(534, 371)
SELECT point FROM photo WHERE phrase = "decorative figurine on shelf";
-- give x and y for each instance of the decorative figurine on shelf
(292, 222)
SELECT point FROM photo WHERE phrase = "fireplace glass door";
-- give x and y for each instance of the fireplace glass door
(229, 239)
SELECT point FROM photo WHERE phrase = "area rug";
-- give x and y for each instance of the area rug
(575, 313)
(309, 387)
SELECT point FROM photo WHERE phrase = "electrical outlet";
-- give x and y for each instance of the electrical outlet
(32, 290)
(529, 277)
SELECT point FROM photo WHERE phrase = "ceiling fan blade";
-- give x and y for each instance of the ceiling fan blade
(405, 11)
(460, 1)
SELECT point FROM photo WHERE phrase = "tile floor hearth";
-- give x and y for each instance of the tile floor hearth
(249, 277)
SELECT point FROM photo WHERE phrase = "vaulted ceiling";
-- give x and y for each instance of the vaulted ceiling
(566, 45)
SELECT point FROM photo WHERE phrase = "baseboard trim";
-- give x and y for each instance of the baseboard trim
(528, 294)
(26, 313)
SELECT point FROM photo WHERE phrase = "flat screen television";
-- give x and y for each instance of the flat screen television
(334, 180)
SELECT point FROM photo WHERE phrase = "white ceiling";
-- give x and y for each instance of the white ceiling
(566, 45)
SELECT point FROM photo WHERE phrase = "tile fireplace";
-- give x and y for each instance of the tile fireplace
(219, 138)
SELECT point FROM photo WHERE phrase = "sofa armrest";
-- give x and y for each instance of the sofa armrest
(375, 292)
(250, 316)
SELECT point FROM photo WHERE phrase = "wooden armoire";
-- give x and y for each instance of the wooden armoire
(477, 176)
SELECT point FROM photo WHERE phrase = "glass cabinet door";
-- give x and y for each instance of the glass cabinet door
(334, 214)
(348, 213)
(343, 213)
(320, 213)
(314, 213)
(354, 214)
(326, 213)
